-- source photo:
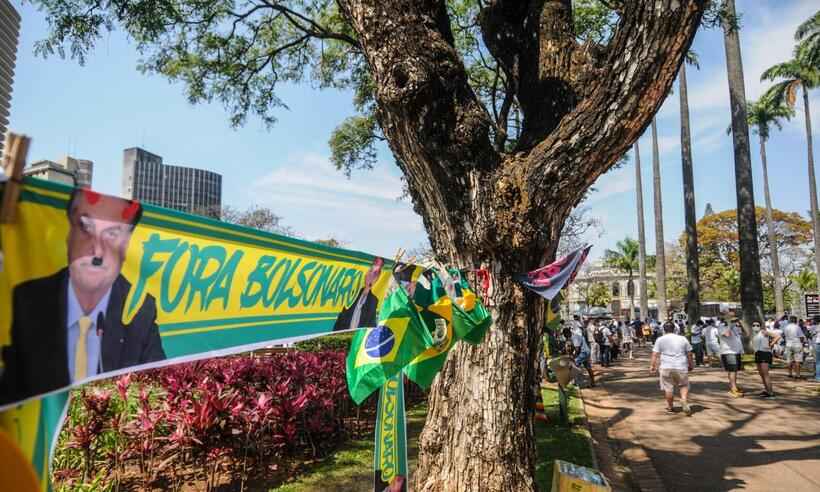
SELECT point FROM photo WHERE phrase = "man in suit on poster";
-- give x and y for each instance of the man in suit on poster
(363, 312)
(68, 326)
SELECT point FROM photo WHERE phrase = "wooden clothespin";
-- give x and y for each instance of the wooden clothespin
(14, 160)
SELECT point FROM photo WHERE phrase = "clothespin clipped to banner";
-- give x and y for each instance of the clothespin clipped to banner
(14, 160)
(398, 256)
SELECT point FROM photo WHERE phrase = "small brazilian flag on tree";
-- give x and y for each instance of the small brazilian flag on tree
(377, 354)
(451, 312)
(470, 317)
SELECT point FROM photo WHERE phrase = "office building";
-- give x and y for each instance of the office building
(147, 179)
(68, 170)
(9, 31)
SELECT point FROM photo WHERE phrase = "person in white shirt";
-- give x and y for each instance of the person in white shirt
(606, 345)
(794, 346)
(697, 342)
(711, 339)
(581, 352)
(626, 341)
(816, 349)
(594, 348)
(763, 357)
(731, 350)
(672, 354)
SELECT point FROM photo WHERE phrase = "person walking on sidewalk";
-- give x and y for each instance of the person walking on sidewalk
(675, 356)
(627, 340)
(582, 353)
(817, 348)
(697, 342)
(794, 346)
(763, 357)
(605, 341)
(594, 347)
(731, 350)
(712, 340)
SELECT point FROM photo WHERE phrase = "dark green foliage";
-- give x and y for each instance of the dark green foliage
(340, 342)
(238, 52)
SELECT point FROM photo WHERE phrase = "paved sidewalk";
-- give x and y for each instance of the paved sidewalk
(746, 443)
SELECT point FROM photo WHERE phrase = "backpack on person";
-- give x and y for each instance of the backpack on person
(599, 336)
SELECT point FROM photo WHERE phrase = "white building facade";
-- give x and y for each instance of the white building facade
(617, 283)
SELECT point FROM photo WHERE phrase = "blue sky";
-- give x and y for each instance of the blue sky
(97, 110)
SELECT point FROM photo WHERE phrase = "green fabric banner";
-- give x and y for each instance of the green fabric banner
(390, 456)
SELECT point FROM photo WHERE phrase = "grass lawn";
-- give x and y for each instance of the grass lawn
(549, 395)
(553, 441)
(351, 468)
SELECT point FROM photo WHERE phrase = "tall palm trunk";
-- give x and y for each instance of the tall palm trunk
(641, 236)
(660, 255)
(812, 183)
(751, 288)
(692, 262)
(778, 281)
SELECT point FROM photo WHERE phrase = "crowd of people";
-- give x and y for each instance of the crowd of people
(676, 350)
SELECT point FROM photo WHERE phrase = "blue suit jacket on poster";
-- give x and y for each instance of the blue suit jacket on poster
(36, 361)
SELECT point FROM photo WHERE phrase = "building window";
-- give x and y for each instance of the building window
(616, 289)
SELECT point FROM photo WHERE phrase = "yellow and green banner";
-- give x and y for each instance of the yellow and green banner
(94, 285)
(390, 457)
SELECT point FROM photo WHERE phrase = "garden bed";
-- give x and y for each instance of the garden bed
(237, 423)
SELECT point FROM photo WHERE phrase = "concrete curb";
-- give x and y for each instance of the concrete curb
(587, 426)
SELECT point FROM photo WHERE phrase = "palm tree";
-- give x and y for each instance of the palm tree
(808, 35)
(625, 257)
(660, 255)
(641, 236)
(692, 264)
(806, 281)
(751, 286)
(761, 115)
(801, 71)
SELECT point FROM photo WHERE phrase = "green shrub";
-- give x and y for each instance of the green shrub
(339, 342)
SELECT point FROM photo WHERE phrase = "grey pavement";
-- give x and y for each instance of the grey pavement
(728, 443)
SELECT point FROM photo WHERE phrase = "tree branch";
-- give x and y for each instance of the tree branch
(315, 30)
(643, 60)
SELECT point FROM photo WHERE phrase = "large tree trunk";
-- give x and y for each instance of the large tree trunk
(751, 287)
(778, 280)
(581, 111)
(815, 220)
(660, 248)
(692, 261)
(643, 298)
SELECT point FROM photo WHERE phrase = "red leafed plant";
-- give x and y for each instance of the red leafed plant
(237, 414)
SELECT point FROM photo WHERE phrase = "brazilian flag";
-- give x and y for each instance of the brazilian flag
(377, 354)
(471, 318)
(451, 311)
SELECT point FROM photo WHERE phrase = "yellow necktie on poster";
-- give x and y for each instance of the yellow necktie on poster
(80, 357)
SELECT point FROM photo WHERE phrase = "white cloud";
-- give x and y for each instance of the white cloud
(315, 172)
(613, 183)
(318, 201)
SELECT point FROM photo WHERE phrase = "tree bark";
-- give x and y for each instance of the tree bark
(751, 286)
(815, 221)
(689, 207)
(660, 248)
(643, 298)
(505, 210)
(773, 250)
